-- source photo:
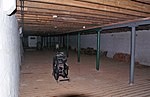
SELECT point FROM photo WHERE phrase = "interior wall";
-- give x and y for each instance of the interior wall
(118, 43)
(86, 41)
(9, 55)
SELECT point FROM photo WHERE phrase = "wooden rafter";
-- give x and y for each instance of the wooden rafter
(74, 14)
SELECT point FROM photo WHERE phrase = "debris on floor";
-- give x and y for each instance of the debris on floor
(122, 57)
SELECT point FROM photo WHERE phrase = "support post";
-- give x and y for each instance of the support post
(79, 39)
(98, 50)
(22, 14)
(133, 35)
(60, 41)
(47, 41)
(67, 45)
(50, 42)
(54, 43)
(44, 41)
(63, 41)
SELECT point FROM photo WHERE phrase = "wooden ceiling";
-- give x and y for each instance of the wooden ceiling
(63, 16)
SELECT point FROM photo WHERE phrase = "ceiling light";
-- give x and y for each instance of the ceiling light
(54, 16)
(55, 27)
(83, 27)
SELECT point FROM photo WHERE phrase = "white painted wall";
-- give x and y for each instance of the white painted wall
(9, 55)
(118, 42)
(86, 41)
(115, 42)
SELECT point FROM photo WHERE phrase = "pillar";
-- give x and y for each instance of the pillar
(133, 35)
(98, 51)
(79, 39)
(67, 45)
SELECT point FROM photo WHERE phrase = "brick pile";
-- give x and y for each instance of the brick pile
(122, 57)
(90, 51)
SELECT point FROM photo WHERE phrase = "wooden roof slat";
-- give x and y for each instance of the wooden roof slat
(123, 4)
(91, 6)
(147, 2)
(69, 9)
(72, 15)
(51, 13)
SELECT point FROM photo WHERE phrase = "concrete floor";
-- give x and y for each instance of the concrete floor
(85, 81)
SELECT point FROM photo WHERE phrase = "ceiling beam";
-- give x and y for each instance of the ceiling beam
(122, 4)
(73, 14)
(147, 2)
(69, 10)
(82, 5)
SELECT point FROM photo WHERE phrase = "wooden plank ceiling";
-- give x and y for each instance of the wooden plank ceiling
(61, 16)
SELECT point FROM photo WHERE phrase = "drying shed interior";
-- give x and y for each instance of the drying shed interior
(106, 43)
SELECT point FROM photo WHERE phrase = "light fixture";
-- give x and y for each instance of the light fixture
(54, 16)
(55, 27)
(83, 27)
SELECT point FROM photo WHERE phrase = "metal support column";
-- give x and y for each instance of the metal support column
(98, 51)
(133, 35)
(63, 41)
(42, 41)
(54, 43)
(47, 41)
(79, 39)
(67, 45)
(60, 41)
(22, 14)
(50, 42)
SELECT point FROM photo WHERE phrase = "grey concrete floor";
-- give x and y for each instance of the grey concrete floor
(111, 81)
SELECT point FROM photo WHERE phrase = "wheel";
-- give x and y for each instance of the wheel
(55, 69)
(65, 71)
(56, 73)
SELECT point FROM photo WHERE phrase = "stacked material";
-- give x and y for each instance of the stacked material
(122, 57)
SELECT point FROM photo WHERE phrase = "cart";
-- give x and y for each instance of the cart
(60, 66)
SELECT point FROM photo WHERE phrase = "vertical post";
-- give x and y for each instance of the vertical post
(98, 51)
(42, 41)
(21, 3)
(133, 34)
(63, 40)
(47, 41)
(50, 42)
(67, 45)
(60, 41)
(54, 43)
(79, 39)
(22, 14)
